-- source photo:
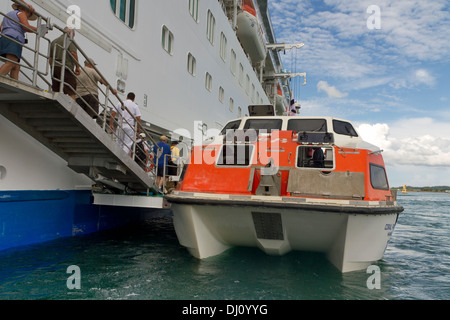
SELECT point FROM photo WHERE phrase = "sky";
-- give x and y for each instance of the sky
(382, 64)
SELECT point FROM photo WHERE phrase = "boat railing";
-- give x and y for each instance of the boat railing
(108, 99)
(169, 177)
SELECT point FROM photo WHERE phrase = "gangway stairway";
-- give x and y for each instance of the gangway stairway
(59, 123)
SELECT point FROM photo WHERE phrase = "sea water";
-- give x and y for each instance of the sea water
(146, 262)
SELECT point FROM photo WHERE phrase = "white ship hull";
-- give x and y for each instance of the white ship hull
(350, 240)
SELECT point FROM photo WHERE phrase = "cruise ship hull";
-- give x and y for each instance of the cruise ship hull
(41, 199)
(351, 237)
(41, 196)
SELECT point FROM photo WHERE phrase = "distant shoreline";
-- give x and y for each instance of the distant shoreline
(437, 189)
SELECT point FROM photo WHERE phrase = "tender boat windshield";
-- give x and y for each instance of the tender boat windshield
(263, 124)
(345, 128)
(311, 125)
(233, 125)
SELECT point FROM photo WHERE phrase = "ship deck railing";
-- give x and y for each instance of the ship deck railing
(38, 75)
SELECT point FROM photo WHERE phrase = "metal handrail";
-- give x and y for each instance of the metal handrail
(108, 106)
(35, 51)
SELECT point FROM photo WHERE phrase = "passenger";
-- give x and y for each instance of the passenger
(174, 159)
(87, 88)
(70, 79)
(161, 160)
(125, 127)
(9, 49)
(318, 158)
(142, 150)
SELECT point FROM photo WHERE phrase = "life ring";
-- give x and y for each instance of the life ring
(150, 163)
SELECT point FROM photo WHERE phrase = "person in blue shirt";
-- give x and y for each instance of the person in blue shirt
(161, 159)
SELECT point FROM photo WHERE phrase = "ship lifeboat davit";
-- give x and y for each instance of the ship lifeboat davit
(250, 34)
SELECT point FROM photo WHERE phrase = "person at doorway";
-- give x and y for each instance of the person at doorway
(128, 114)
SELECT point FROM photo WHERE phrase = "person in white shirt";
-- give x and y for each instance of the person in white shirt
(126, 122)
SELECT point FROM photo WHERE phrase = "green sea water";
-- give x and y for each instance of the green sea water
(146, 262)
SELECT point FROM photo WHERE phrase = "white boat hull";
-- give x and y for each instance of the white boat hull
(350, 241)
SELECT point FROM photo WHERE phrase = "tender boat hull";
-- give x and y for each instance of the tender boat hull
(351, 236)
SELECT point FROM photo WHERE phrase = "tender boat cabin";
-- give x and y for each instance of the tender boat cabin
(319, 157)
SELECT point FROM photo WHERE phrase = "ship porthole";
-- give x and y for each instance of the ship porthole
(2, 172)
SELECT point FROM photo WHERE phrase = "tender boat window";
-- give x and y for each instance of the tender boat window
(312, 125)
(378, 177)
(343, 127)
(233, 125)
(125, 10)
(264, 124)
(235, 155)
(315, 157)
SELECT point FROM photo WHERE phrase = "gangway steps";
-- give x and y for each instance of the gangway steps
(61, 125)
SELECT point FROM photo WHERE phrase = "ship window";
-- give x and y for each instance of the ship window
(264, 124)
(125, 10)
(235, 155)
(233, 62)
(253, 92)
(343, 127)
(223, 47)
(311, 125)
(208, 82)
(167, 40)
(193, 9)
(247, 83)
(191, 64)
(315, 157)
(378, 177)
(241, 74)
(210, 27)
(221, 94)
(239, 112)
(231, 105)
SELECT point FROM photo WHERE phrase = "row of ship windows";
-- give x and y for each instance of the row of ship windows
(167, 41)
(125, 11)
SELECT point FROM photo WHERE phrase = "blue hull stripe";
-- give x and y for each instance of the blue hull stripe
(30, 217)
(17, 196)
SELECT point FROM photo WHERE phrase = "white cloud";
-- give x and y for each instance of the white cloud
(413, 147)
(331, 91)
(339, 44)
(424, 77)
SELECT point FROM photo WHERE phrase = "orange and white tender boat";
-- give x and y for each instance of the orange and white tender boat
(287, 183)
